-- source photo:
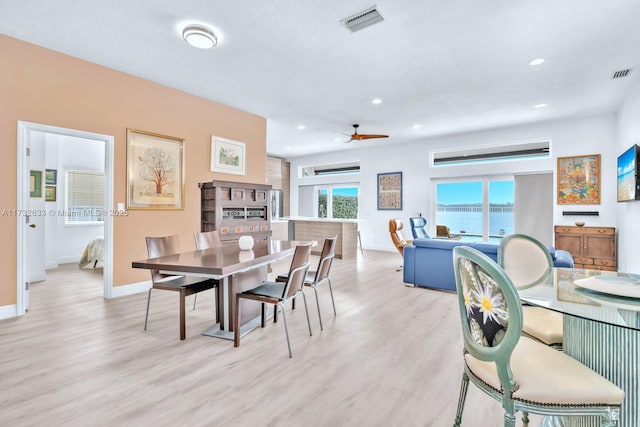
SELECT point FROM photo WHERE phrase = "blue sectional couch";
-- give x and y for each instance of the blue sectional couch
(429, 262)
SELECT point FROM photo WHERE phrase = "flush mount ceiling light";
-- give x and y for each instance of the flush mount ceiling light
(376, 101)
(199, 36)
(537, 61)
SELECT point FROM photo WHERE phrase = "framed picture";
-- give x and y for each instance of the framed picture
(390, 191)
(35, 184)
(228, 156)
(50, 177)
(49, 193)
(579, 180)
(155, 171)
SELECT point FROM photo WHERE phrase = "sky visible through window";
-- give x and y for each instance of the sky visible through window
(471, 192)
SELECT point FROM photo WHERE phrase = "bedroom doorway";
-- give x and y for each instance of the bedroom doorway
(47, 226)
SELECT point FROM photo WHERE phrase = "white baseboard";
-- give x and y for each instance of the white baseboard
(133, 288)
(69, 259)
(8, 311)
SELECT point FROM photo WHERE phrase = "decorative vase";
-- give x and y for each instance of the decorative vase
(245, 243)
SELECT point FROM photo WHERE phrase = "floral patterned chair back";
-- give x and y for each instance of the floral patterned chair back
(490, 310)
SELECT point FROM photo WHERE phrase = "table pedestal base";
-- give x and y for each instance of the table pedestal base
(614, 353)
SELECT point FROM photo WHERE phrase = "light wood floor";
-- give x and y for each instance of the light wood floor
(391, 357)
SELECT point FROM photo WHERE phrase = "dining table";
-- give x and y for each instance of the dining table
(235, 269)
(601, 328)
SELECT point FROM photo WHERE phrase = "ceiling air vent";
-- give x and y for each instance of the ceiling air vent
(363, 19)
(622, 73)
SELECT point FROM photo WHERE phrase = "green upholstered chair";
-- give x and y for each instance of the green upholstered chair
(526, 261)
(523, 374)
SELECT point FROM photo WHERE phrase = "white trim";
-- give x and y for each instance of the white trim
(8, 311)
(133, 288)
(24, 128)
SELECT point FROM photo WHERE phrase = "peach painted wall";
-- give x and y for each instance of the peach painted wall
(42, 86)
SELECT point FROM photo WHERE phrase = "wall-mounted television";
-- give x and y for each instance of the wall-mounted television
(628, 182)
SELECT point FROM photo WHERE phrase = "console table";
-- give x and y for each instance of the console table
(592, 247)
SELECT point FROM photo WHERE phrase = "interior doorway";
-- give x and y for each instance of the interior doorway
(31, 212)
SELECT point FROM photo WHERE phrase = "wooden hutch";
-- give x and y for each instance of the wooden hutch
(235, 209)
(593, 248)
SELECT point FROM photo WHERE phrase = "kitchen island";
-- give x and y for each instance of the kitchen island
(318, 229)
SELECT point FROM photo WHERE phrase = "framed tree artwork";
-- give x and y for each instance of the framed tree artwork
(579, 180)
(155, 171)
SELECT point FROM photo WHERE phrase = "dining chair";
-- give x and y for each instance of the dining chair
(206, 240)
(185, 285)
(278, 293)
(526, 261)
(523, 374)
(315, 278)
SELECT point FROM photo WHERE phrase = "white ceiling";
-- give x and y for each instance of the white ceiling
(449, 65)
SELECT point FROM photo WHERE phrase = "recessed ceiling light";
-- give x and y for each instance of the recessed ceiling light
(301, 127)
(199, 36)
(416, 126)
(376, 101)
(336, 140)
(540, 105)
(536, 61)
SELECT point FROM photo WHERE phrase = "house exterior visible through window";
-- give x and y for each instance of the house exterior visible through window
(84, 201)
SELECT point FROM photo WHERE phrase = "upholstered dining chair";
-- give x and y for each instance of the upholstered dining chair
(185, 285)
(206, 240)
(278, 293)
(419, 227)
(315, 278)
(526, 261)
(523, 374)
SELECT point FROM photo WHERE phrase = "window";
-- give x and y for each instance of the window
(482, 209)
(337, 202)
(84, 201)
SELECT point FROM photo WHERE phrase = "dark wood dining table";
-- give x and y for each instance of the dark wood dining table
(600, 329)
(236, 269)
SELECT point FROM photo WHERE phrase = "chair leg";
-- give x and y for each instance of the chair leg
(183, 323)
(332, 300)
(525, 419)
(286, 330)
(236, 323)
(509, 419)
(146, 316)
(464, 386)
(315, 291)
(306, 309)
(195, 299)
(263, 315)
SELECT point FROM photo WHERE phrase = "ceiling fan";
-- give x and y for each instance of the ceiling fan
(361, 136)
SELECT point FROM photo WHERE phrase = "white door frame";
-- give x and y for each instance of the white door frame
(24, 129)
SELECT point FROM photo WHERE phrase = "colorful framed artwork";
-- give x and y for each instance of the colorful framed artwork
(50, 176)
(35, 184)
(390, 191)
(228, 156)
(49, 193)
(579, 180)
(155, 171)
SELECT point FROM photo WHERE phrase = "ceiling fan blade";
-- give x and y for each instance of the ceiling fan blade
(367, 136)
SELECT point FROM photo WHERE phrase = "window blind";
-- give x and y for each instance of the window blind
(85, 196)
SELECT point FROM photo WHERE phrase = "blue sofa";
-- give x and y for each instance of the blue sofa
(429, 262)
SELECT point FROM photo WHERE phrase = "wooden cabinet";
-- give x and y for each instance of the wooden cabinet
(592, 248)
(234, 209)
(278, 176)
